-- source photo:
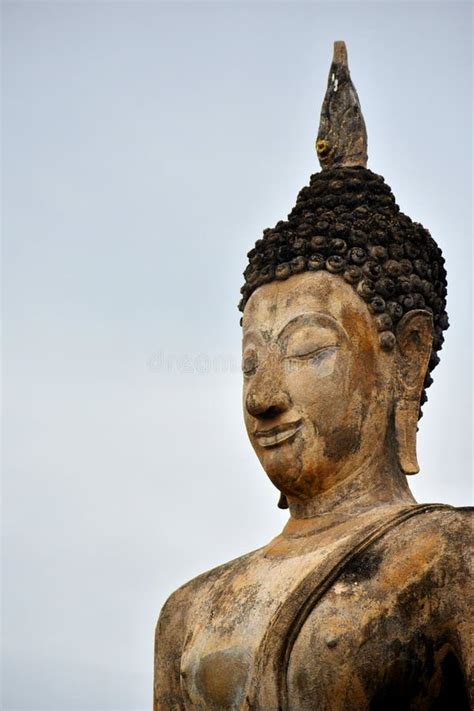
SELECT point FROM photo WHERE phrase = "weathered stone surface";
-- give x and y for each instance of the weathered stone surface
(342, 137)
(362, 602)
(389, 632)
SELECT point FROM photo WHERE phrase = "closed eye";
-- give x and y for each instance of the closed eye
(315, 354)
(249, 363)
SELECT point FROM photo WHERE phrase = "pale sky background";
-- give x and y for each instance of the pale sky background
(146, 146)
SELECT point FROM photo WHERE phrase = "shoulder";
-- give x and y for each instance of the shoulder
(436, 537)
(178, 608)
(431, 546)
(421, 564)
(418, 566)
(180, 602)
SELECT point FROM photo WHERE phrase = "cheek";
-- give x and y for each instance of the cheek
(319, 391)
(364, 362)
(335, 397)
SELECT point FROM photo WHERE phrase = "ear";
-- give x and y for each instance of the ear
(414, 341)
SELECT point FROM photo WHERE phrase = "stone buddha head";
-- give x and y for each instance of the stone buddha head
(343, 314)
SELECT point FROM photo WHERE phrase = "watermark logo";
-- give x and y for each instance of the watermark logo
(193, 363)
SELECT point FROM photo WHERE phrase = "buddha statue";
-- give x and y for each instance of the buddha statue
(360, 603)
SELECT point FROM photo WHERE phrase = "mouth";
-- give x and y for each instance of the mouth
(277, 435)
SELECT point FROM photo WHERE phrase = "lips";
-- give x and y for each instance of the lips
(277, 435)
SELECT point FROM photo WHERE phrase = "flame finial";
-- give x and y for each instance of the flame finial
(342, 137)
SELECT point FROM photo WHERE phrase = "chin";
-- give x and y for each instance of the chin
(288, 472)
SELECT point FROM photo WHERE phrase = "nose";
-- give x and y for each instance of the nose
(266, 402)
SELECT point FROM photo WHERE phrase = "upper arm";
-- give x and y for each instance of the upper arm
(459, 587)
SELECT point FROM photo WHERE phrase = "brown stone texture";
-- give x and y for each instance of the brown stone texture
(342, 137)
(362, 601)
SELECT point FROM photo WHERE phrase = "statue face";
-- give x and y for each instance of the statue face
(318, 389)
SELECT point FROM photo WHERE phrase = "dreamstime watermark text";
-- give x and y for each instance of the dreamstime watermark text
(193, 363)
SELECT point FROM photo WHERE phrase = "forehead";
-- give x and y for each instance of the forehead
(272, 305)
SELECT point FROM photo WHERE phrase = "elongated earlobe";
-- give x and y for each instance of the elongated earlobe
(414, 341)
(406, 422)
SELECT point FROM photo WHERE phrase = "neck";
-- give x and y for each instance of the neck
(378, 481)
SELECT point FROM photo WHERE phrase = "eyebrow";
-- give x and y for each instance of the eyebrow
(309, 318)
(252, 333)
(313, 318)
